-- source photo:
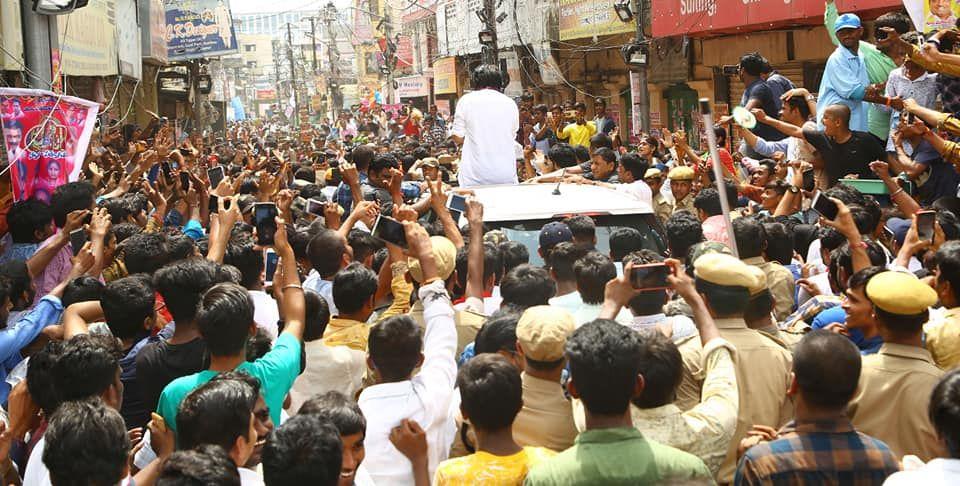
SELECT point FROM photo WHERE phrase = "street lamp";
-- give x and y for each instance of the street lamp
(486, 37)
(622, 7)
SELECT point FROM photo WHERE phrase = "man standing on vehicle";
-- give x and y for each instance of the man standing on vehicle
(486, 124)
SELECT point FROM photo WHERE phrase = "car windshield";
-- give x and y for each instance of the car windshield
(531, 239)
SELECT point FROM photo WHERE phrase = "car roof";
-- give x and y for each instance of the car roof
(537, 201)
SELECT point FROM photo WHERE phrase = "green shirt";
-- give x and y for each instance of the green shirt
(618, 456)
(276, 371)
(878, 66)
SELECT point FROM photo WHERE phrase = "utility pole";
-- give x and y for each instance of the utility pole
(488, 37)
(276, 71)
(39, 40)
(644, 96)
(293, 76)
(333, 56)
(390, 59)
(313, 39)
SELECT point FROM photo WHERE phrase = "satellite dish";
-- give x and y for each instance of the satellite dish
(744, 118)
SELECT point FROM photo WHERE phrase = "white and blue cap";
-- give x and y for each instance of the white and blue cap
(847, 21)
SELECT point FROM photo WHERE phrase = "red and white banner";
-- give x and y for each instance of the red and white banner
(45, 139)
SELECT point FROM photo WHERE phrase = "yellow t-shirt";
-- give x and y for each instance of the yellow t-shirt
(576, 134)
(483, 468)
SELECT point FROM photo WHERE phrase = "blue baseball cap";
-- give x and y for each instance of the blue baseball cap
(847, 21)
(899, 228)
(554, 233)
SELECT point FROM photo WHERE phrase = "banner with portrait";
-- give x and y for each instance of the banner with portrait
(45, 139)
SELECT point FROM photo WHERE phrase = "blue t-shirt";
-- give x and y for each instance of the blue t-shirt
(276, 371)
(760, 90)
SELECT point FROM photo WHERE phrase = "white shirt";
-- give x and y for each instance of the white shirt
(588, 312)
(568, 302)
(934, 473)
(249, 477)
(329, 368)
(37, 473)
(488, 122)
(425, 399)
(639, 190)
(680, 326)
(265, 312)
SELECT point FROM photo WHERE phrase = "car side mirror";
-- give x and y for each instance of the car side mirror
(57, 7)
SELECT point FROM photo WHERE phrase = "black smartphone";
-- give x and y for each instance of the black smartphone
(925, 221)
(165, 167)
(731, 70)
(78, 238)
(264, 219)
(809, 183)
(315, 207)
(184, 181)
(390, 230)
(215, 174)
(823, 205)
(911, 118)
(214, 205)
(270, 265)
(457, 202)
(650, 277)
(889, 234)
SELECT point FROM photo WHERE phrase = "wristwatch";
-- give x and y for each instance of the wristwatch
(794, 189)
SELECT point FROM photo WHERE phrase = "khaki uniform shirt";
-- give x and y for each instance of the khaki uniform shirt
(686, 204)
(546, 419)
(943, 339)
(892, 399)
(467, 324)
(662, 208)
(763, 374)
(781, 285)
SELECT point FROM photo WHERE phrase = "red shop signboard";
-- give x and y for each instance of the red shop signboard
(712, 17)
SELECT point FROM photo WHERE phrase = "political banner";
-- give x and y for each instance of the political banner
(930, 15)
(45, 139)
(199, 28)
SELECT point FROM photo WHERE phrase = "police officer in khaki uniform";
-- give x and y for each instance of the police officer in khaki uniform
(762, 365)
(546, 419)
(895, 384)
(681, 185)
(661, 206)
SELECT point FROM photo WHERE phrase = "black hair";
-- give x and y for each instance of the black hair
(247, 259)
(582, 153)
(394, 347)
(26, 218)
(180, 246)
(82, 289)
(725, 300)
(842, 259)
(41, 382)
(72, 196)
(708, 201)
(592, 272)
(258, 345)
(486, 76)
(897, 20)
(86, 444)
(364, 244)
(125, 230)
(623, 241)
(562, 155)
(749, 235)
(224, 317)
(649, 302)
(601, 141)
(499, 333)
(944, 411)
(325, 251)
(216, 413)
(526, 286)
(513, 254)
(353, 287)
(317, 314)
(759, 306)
(947, 259)
(490, 391)
(604, 361)
(950, 224)
(753, 63)
(799, 103)
(120, 209)
(362, 156)
(827, 368)
(683, 230)
(87, 367)
(562, 256)
(860, 279)
(200, 466)
(127, 303)
(662, 368)
(182, 284)
(779, 243)
(336, 408)
(636, 166)
(582, 226)
(900, 324)
(145, 253)
(383, 161)
(304, 450)
(947, 203)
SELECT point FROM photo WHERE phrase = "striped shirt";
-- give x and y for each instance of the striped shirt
(823, 452)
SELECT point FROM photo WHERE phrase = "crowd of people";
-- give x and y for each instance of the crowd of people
(206, 310)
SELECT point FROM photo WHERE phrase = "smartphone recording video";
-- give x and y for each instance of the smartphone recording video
(456, 202)
(270, 266)
(185, 181)
(925, 222)
(390, 231)
(823, 205)
(215, 174)
(315, 207)
(650, 277)
(78, 238)
(265, 221)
